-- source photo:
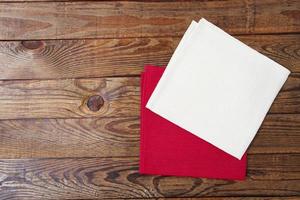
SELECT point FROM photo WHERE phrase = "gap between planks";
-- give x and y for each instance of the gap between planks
(142, 37)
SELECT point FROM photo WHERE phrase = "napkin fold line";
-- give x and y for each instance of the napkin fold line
(181, 46)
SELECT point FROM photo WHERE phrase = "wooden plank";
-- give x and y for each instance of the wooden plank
(279, 133)
(68, 98)
(59, 20)
(288, 100)
(268, 175)
(52, 59)
(90, 137)
(106, 137)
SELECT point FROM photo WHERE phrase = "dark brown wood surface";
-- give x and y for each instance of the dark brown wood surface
(64, 20)
(270, 174)
(52, 59)
(70, 97)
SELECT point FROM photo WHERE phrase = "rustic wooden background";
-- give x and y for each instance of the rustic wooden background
(55, 55)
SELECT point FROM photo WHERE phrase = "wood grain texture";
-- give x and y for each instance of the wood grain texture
(60, 20)
(279, 133)
(90, 137)
(268, 175)
(288, 100)
(67, 98)
(52, 59)
(109, 137)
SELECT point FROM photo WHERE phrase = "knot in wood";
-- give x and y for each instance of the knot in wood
(32, 45)
(95, 102)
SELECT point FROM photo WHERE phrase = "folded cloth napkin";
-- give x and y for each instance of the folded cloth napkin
(217, 88)
(167, 149)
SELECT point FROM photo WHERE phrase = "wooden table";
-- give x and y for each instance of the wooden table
(70, 96)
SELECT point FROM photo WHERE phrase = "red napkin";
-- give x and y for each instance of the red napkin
(167, 149)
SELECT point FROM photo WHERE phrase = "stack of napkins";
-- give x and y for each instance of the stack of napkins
(214, 87)
(167, 149)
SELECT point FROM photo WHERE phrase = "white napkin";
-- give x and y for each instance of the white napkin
(217, 88)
